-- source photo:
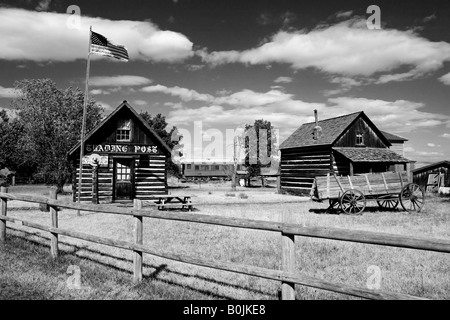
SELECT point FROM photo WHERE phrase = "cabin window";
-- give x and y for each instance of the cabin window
(189, 166)
(216, 167)
(359, 139)
(123, 133)
(206, 168)
(197, 167)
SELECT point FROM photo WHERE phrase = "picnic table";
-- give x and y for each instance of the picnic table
(164, 201)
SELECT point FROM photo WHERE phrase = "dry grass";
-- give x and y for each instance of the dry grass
(106, 272)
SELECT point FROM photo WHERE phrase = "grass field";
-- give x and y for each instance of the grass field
(27, 272)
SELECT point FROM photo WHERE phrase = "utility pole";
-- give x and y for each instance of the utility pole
(233, 179)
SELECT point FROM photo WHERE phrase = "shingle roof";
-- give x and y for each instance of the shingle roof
(331, 130)
(392, 137)
(432, 166)
(371, 155)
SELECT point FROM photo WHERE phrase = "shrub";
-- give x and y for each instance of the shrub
(230, 194)
(243, 196)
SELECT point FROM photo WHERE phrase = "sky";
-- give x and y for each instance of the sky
(211, 66)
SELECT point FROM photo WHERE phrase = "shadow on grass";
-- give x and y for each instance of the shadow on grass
(158, 269)
(339, 211)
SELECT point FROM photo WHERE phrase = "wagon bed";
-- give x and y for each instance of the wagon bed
(350, 193)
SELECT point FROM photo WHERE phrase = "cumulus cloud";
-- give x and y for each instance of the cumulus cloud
(99, 92)
(287, 113)
(119, 81)
(283, 80)
(183, 93)
(445, 79)
(50, 37)
(8, 92)
(347, 48)
(433, 145)
(140, 103)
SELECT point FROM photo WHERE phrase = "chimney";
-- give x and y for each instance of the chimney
(317, 129)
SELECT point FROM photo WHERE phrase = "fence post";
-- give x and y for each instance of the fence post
(54, 236)
(4, 208)
(287, 259)
(138, 239)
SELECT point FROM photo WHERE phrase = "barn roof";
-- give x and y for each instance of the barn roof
(432, 166)
(371, 155)
(123, 105)
(392, 137)
(332, 129)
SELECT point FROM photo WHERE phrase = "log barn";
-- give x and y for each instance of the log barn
(130, 160)
(421, 176)
(345, 145)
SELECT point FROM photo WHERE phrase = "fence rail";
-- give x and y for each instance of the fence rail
(288, 276)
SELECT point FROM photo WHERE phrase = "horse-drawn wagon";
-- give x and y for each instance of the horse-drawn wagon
(351, 193)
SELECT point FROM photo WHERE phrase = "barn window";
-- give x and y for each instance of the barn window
(123, 132)
(359, 139)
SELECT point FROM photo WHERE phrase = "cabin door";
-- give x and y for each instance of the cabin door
(123, 179)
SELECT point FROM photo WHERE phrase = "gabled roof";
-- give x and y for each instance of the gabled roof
(111, 116)
(392, 137)
(371, 155)
(332, 130)
(432, 166)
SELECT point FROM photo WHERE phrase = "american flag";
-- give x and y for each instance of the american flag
(101, 45)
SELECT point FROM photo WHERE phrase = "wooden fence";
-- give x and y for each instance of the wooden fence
(288, 276)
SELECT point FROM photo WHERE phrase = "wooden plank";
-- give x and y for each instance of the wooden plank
(4, 203)
(138, 240)
(437, 245)
(54, 236)
(339, 183)
(287, 259)
(385, 184)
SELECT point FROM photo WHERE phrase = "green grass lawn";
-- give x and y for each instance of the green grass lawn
(27, 272)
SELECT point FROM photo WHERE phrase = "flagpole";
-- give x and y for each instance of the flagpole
(83, 126)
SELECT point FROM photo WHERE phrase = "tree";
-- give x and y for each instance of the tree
(12, 155)
(259, 142)
(51, 120)
(159, 124)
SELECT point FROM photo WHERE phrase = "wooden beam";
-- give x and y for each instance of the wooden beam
(54, 236)
(4, 202)
(288, 258)
(138, 240)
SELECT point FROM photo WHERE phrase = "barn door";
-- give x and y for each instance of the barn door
(123, 179)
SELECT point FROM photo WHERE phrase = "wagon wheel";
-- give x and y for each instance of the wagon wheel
(412, 197)
(387, 202)
(353, 202)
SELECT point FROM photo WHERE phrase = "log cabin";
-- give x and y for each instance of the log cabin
(345, 145)
(130, 160)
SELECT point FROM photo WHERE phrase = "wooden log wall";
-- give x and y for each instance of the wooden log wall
(150, 177)
(299, 167)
